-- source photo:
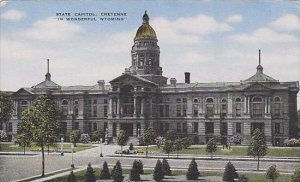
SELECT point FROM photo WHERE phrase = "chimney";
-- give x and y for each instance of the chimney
(173, 81)
(187, 77)
(101, 84)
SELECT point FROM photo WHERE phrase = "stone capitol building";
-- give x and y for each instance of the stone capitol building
(142, 97)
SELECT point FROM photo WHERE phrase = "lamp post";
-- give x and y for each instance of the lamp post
(72, 165)
(138, 134)
(106, 136)
(61, 146)
(101, 155)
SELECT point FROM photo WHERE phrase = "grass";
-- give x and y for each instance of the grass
(253, 177)
(234, 151)
(10, 147)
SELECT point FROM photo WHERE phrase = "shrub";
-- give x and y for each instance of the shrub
(135, 172)
(85, 138)
(272, 173)
(168, 147)
(105, 171)
(74, 137)
(141, 141)
(158, 173)
(230, 172)
(211, 146)
(296, 176)
(187, 142)
(193, 172)
(166, 167)
(131, 146)
(71, 177)
(89, 175)
(160, 141)
(243, 178)
(139, 165)
(96, 135)
(117, 175)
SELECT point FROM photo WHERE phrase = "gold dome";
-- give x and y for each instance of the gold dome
(145, 31)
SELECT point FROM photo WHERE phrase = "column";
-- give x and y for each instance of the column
(269, 104)
(266, 104)
(142, 107)
(245, 104)
(134, 132)
(246, 132)
(248, 104)
(150, 102)
(134, 106)
(118, 107)
(110, 108)
(80, 108)
(229, 106)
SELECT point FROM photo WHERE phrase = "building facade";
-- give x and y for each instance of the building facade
(142, 97)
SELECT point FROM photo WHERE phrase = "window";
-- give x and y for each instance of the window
(105, 127)
(166, 127)
(1, 125)
(114, 129)
(195, 110)
(64, 107)
(184, 100)
(75, 126)
(90, 127)
(94, 111)
(184, 127)
(277, 128)
(238, 110)
(179, 127)
(209, 110)
(161, 110)
(161, 128)
(167, 114)
(209, 128)
(184, 110)
(76, 108)
(105, 111)
(95, 101)
(63, 127)
(224, 109)
(23, 105)
(238, 128)
(178, 100)
(95, 126)
(277, 109)
(10, 128)
(195, 127)
(105, 101)
(178, 110)
(258, 107)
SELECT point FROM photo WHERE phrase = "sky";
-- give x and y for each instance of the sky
(216, 41)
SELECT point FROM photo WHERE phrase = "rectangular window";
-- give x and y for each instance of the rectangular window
(105, 127)
(1, 126)
(195, 110)
(210, 110)
(105, 111)
(90, 127)
(238, 110)
(277, 128)
(161, 110)
(184, 110)
(166, 127)
(95, 126)
(10, 128)
(209, 128)
(94, 111)
(178, 110)
(257, 109)
(184, 100)
(161, 127)
(105, 101)
(238, 128)
(224, 109)
(63, 127)
(76, 126)
(95, 101)
(195, 127)
(167, 112)
(178, 127)
(76, 110)
(276, 109)
(184, 127)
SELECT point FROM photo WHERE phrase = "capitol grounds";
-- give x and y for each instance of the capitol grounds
(16, 166)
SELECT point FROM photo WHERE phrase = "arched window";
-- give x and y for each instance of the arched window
(64, 107)
(195, 108)
(209, 107)
(277, 106)
(195, 100)
(238, 100)
(224, 107)
(257, 106)
(238, 107)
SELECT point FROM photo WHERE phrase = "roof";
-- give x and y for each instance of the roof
(132, 76)
(260, 77)
(145, 31)
(47, 84)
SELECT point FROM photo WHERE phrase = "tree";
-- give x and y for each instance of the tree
(89, 175)
(6, 107)
(170, 136)
(131, 146)
(272, 173)
(74, 136)
(178, 145)
(230, 173)
(24, 135)
(296, 176)
(104, 174)
(149, 137)
(122, 139)
(96, 136)
(71, 177)
(166, 167)
(139, 165)
(168, 147)
(187, 142)
(257, 147)
(158, 173)
(193, 172)
(3, 136)
(135, 171)
(211, 146)
(42, 119)
(117, 175)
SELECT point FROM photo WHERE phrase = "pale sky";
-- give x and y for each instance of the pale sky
(217, 41)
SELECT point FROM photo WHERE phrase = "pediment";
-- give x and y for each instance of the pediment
(127, 78)
(23, 91)
(257, 87)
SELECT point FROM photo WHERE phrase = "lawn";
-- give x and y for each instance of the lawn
(234, 151)
(253, 177)
(10, 147)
